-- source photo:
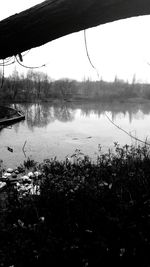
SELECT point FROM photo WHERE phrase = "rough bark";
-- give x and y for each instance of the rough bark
(55, 18)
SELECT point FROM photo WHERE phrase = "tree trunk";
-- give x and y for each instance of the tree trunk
(55, 18)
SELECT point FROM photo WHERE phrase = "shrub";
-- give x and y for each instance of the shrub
(87, 214)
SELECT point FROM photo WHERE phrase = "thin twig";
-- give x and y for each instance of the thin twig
(130, 135)
(24, 152)
(29, 67)
(88, 56)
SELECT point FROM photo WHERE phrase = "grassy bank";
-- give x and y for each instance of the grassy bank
(87, 214)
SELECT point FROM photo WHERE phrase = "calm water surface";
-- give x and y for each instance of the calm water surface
(58, 128)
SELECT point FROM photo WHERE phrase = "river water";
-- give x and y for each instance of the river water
(59, 128)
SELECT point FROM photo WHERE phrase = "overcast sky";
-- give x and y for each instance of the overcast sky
(120, 48)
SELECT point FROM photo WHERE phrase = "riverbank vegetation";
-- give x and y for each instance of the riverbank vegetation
(35, 86)
(87, 214)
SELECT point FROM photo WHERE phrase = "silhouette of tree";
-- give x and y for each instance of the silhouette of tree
(53, 19)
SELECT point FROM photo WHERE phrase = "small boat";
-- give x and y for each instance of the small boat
(16, 117)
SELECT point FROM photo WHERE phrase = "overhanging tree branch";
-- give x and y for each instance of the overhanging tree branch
(55, 18)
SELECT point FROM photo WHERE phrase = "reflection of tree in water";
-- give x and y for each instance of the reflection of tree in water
(41, 114)
(116, 108)
(64, 113)
(37, 115)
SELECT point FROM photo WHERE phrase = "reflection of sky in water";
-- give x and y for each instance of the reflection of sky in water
(59, 130)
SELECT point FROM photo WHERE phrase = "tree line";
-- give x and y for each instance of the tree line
(38, 86)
